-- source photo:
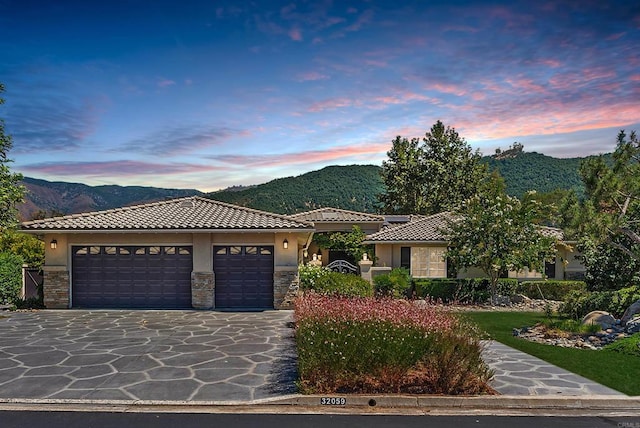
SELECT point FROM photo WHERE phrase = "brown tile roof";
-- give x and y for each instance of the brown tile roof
(193, 213)
(337, 215)
(419, 229)
(429, 229)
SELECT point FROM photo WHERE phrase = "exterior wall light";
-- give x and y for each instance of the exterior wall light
(54, 244)
(285, 244)
(365, 256)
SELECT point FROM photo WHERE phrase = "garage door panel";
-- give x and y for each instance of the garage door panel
(244, 276)
(131, 276)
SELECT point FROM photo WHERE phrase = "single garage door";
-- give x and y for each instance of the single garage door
(244, 276)
(131, 276)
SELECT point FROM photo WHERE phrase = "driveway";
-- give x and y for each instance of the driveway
(146, 355)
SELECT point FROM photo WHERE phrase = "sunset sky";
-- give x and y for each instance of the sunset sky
(208, 94)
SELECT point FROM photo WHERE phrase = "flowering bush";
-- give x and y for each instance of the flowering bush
(385, 345)
(325, 281)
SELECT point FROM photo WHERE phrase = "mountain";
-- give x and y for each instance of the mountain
(67, 198)
(352, 187)
(355, 187)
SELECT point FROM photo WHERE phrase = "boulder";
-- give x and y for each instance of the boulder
(603, 319)
(519, 298)
(633, 325)
(630, 312)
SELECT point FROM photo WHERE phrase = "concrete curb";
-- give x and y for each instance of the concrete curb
(353, 403)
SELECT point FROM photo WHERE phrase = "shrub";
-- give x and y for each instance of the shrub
(393, 284)
(309, 275)
(579, 303)
(629, 345)
(384, 345)
(342, 284)
(462, 290)
(10, 278)
(551, 290)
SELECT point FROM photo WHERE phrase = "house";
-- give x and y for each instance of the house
(330, 220)
(181, 253)
(419, 245)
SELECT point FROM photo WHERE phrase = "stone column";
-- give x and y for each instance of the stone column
(202, 290)
(56, 287)
(365, 269)
(286, 284)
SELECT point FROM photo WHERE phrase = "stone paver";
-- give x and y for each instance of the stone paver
(517, 373)
(146, 355)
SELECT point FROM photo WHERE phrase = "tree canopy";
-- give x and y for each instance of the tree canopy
(431, 175)
(11, 191)
(497, 233)
(607, 220)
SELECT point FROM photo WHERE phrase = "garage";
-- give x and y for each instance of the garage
(243, 276)
(114, 276)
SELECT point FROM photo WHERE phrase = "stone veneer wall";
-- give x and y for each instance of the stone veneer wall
(56, 289)
(202, 290)
(286, 284)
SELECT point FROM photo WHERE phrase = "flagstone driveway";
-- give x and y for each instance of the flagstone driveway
(146, 355)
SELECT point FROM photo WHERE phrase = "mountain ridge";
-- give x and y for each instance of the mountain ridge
(352, 187)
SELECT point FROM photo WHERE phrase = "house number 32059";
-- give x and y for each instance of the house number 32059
(333, 401)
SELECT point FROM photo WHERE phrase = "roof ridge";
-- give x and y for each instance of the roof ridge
(337, 209)
(253, 210)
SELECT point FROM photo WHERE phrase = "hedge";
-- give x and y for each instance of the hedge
(10, 278)
(396, 283)
(579, 303)
(342, 284)
(462, 290)
(551, 290)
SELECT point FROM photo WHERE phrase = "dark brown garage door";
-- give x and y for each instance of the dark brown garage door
(244, 276)
(131, 276)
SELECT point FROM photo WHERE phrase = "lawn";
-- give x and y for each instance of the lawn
(617, 371)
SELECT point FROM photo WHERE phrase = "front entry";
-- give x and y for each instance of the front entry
(243, 276)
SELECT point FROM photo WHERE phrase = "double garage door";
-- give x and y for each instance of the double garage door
(160, 276)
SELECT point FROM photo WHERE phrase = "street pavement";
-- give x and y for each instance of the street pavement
(196, 356)
(146, 355)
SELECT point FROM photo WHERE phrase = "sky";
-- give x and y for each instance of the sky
(210, 94)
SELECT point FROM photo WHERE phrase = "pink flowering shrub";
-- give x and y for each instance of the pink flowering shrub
(385, 345)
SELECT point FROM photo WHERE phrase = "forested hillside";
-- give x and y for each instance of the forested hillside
(68, 198)
(352, 187)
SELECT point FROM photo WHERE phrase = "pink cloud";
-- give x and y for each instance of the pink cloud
(311, 76)
(307, 157)
(332, 103)
(448, 89)
(295, 34)
(116, 168)
(163, 83)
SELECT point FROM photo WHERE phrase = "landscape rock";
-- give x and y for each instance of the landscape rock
(604, 319)
(633, 326)
(519, 299)
(630, 312)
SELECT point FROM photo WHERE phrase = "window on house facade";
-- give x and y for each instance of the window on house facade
(428, 262)
(405, 257)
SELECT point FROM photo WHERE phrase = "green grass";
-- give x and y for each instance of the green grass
(615, 370)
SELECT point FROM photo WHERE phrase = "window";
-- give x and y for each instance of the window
(169, 250)
(405, 257)
(265, 251)
(221, 250)
(251, 250)
(235, 250)
(428, 262)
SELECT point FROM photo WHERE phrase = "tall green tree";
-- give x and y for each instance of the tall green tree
(11, 191)
(496, 233)
(610, 212)
(432, 175)
(607, 220)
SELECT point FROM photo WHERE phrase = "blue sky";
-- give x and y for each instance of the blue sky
(209, 94)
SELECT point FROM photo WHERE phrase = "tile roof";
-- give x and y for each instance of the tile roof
(337, 215)
(193, 213)
(419, 229)
(429, 228)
